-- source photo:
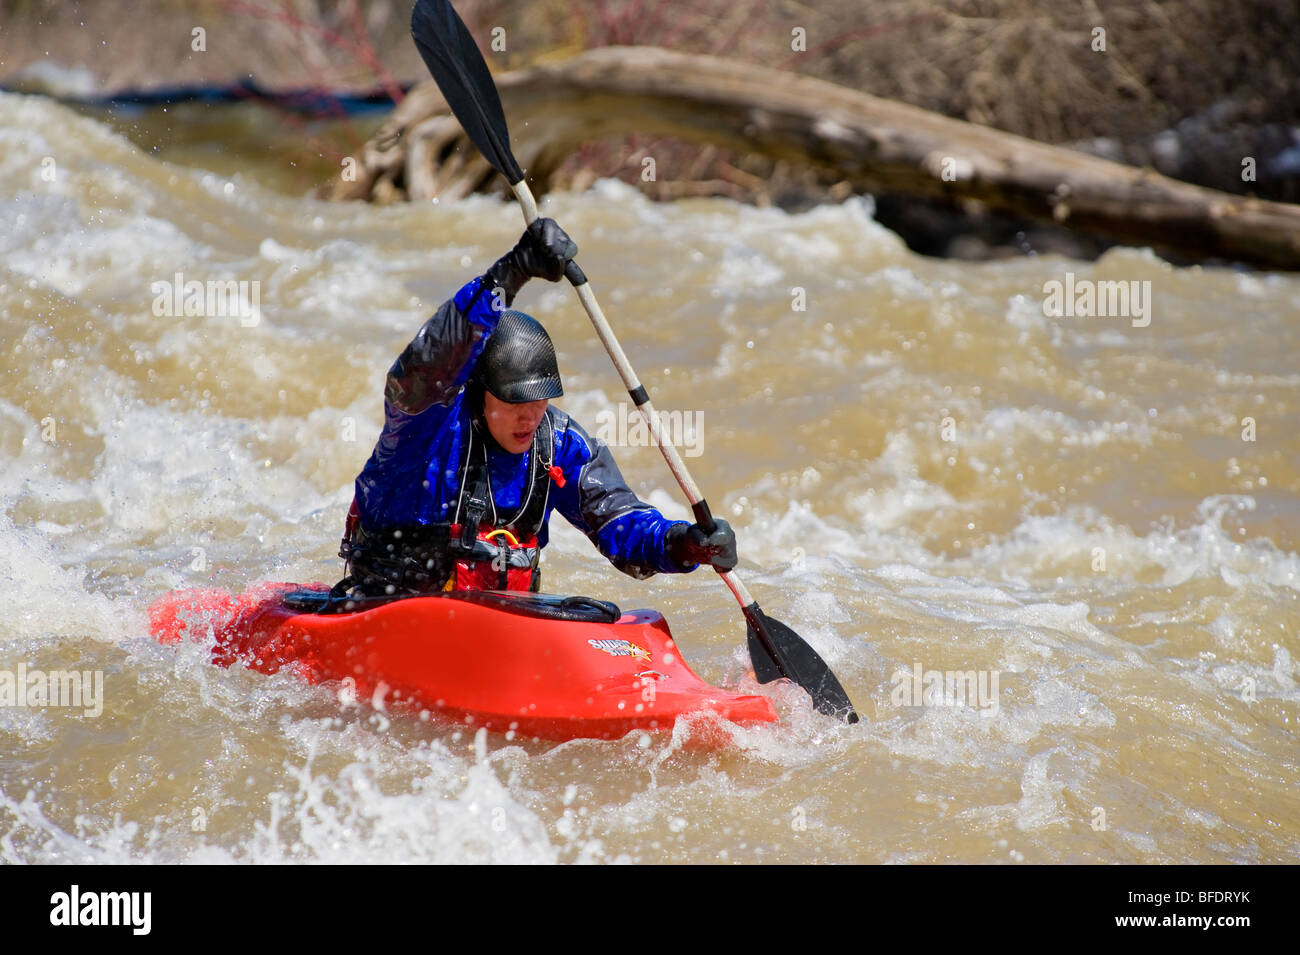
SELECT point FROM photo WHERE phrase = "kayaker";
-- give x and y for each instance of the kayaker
(472, 458)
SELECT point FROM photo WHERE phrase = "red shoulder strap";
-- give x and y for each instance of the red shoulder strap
(354, 516)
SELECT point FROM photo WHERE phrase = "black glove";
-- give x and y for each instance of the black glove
(690, 545)
(544, 250)
(542, 253)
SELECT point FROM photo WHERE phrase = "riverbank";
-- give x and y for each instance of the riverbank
(1200, 92)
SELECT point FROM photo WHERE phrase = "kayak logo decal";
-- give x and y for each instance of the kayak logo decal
(621, 648)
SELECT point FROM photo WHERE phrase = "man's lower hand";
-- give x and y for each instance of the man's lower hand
(691, 545)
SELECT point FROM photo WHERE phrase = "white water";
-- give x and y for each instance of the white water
(186, 451)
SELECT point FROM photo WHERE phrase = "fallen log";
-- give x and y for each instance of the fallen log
(873, 144)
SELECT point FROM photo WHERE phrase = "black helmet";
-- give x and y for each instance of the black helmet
(518, 361)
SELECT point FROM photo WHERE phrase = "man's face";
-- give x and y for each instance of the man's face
(513, 425)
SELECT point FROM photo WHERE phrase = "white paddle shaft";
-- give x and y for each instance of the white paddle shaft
(606, 335)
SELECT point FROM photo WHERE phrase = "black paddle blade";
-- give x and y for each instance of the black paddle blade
(785, 654)
(457, 66)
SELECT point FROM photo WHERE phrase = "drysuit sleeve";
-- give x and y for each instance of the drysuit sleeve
(439, 359)
(596, 500)
(432, 369)
(420, 397)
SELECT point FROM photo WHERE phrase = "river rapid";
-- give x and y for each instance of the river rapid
(1095, 516)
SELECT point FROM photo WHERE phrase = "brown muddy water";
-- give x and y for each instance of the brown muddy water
(1092, 510)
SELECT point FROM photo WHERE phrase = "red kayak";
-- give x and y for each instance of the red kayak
(539, 665)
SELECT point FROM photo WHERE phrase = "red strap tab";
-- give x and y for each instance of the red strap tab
(556, 475)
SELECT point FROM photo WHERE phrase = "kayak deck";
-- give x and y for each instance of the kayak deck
(471, 661)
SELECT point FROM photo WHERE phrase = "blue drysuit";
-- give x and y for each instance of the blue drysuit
(412, 475)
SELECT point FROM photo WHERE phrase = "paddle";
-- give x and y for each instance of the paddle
(458, 68)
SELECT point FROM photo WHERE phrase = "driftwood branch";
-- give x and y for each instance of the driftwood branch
(876, 145)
